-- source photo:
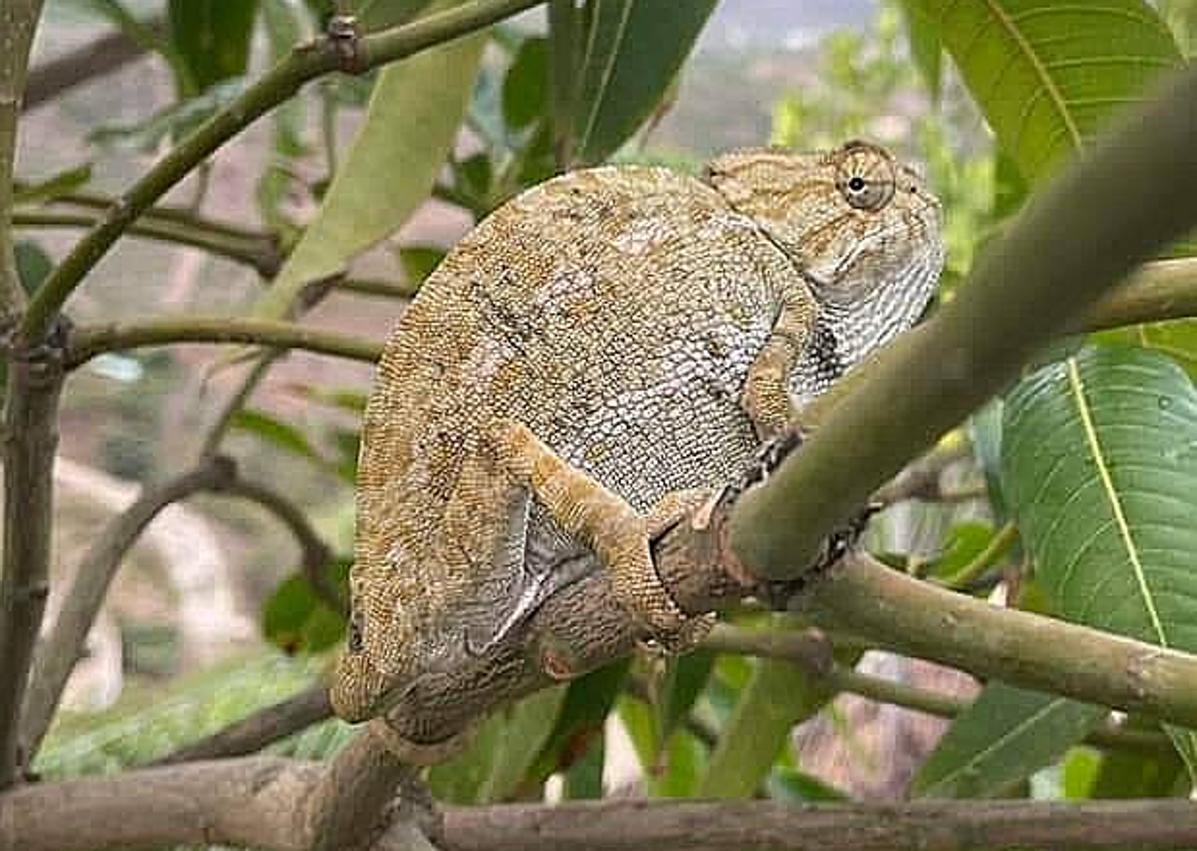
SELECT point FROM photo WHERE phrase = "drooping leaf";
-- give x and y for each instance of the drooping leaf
(1049, 73)
(633, 49)
(33, 265)
(410, 127)
(580, 722)
(1100, 465)
(684, 679)
(212, 37)
(1005, 736)
(779, 695)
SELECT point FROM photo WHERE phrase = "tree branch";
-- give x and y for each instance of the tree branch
(90, 340)
(812, 652)
(253, 802)
(254, 732)
(277, 85)
(18, 22)
(261, 252)
(30, 438)
(1032, 651)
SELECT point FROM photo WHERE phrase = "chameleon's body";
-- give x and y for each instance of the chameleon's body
(603, 341)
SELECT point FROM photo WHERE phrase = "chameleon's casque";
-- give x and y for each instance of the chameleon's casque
(602, 341)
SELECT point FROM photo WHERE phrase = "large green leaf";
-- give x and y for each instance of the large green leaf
(632, 51)
(410, 127)
(1100, 466)
(1048, 73)
(212, 37)
(1006, 735)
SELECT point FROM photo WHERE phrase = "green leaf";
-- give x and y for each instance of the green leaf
(55, 186)
(526, 86)
(418, 262)
(529, 724)
(792, 786)
(1100, 464)
(33, 265)
(410, 127)
(579, 724)
(273, 430)
(633, 49)
(212, 37)
(1176, 338)
(296, 620)
(684, 679)
(965, 541)
(1125, 773)
(779, 695)
(925, 47)
(1049, 73)
(1005, 736)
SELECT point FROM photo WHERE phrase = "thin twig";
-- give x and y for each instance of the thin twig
(315, 555)
(18, 22)
(810, 651)
(260, 253)
(254, 732)
(91, 340)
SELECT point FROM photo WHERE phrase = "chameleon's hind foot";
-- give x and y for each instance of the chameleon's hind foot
(603, 521)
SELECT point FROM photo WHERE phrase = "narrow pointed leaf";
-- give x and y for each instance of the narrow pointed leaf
(631, 52)
(409, 130)
(1006, 735)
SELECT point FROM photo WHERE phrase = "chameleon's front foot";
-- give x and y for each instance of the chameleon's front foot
(607, 524)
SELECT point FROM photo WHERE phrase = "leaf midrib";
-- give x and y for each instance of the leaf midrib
(1076, 385)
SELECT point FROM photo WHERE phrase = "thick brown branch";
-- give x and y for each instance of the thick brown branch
(267, 803)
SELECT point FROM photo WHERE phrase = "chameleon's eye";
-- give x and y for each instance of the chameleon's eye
(867, 194)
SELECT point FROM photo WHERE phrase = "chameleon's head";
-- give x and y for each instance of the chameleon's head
(854, 220)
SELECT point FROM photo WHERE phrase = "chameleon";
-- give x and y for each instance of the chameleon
(595, 357)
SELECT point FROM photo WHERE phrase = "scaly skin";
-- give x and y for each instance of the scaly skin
(589, 361)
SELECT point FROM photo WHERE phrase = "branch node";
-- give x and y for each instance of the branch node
(345, 39)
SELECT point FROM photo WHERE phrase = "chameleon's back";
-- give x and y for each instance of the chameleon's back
(615, 312)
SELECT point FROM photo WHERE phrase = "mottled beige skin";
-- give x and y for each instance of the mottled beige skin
(591, 357)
